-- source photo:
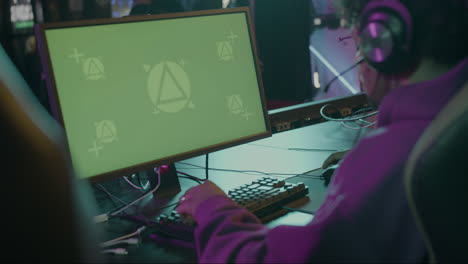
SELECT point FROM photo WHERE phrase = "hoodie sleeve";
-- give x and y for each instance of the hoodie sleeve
(227, 232)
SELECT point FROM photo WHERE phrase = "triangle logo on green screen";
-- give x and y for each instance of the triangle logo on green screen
(93, 69)
(225, 51)
(171, 90)
(235, 104)
(169, 87)
(106, 131)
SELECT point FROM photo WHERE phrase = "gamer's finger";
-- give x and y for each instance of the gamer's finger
(187, 219)
(184, 208)
(182, 199)
(332, 159)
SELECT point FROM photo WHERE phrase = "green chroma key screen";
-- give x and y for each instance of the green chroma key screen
(135, 92)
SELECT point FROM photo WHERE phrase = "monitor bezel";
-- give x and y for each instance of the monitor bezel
(55, 108)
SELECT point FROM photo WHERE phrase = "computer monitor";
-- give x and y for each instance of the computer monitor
(136, 92)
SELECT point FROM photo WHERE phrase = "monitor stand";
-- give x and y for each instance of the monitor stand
(170, 185)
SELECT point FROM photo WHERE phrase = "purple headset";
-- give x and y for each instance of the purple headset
(386, 32)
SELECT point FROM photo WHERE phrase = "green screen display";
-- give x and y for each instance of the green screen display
(136, 92)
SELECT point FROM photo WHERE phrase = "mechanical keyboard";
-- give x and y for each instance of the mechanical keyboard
(264, 197)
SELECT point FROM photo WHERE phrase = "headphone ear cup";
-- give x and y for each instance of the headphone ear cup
(386, 32)
(377, 43)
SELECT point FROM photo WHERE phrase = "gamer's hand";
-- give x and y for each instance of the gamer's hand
(189, 202)
(334, 158)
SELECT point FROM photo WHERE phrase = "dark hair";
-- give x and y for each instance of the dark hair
(439, 26)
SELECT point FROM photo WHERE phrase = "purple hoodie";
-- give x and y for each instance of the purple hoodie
(365, 216)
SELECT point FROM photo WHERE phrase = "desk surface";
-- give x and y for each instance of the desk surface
(287, 155)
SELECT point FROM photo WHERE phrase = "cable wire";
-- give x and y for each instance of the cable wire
(355, 128)
(297, 210)
(116, 251)
(113, 241)
(129, 241)
(190, 177)
(206, 166)
(102, 188)
(250, 171)
(104, 217)
(360, 60)
(143, 196)
(132, 184)
(349, 119)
